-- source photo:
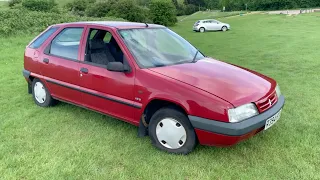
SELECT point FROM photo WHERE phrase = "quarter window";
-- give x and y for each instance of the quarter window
(66, 43)
(42, 38)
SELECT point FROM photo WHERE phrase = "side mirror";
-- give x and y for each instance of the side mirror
(117, 67)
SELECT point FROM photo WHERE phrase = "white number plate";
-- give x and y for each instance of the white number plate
(271, 121)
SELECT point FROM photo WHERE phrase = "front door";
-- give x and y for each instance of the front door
(106, 91)
(214, 25)
(60, 65)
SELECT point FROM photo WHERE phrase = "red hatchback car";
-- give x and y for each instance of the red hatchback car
(147, 75)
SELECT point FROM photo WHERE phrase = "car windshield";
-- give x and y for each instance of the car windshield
(156, 47)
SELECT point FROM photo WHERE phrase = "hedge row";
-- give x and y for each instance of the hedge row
(159, 11)
(13, 21)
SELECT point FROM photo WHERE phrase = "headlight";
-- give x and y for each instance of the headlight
(242, 112)
(278, 90)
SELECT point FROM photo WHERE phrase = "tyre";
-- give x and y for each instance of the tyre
(170, 130)
(202, 30)
(224, 28)
(41, 95)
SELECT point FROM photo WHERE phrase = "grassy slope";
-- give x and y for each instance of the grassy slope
(206, 15)
(74, 143)
(3, 4)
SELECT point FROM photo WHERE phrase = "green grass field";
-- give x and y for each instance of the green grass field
(207, 15)
(67, 142)
(3, 4)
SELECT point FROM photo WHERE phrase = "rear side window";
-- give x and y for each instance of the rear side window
(42, 38)
(66, 43)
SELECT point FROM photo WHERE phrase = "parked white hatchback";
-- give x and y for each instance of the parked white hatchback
(210, 25)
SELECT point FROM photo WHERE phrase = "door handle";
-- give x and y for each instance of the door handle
(45, 60)
(84, 70)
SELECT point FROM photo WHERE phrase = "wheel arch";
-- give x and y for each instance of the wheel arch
(202, 28)
(225, 27)
(154, 105)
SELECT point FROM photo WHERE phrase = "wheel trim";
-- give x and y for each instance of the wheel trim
(224, 29)
(171, 133)
(40, 92)
(201, 29)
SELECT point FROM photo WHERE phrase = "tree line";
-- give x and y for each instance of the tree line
(252, 5)
(157, 11)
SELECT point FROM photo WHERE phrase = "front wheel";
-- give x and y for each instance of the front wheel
(202, 30)
(170, 130)
(224, 28)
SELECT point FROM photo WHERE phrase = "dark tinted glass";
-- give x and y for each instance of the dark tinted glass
(41, 39)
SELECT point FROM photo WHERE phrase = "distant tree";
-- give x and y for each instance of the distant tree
(163, 12)
(129, 10)
(98, 9)
(211, 4)
(175, 3)
(194, 2)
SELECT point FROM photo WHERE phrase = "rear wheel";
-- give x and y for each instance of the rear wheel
(41, 94)
(202, 30)
(170, 130)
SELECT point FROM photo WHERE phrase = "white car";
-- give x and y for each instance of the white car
(210, 25)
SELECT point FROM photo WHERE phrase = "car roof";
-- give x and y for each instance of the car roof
(114, 24)
(208, 20)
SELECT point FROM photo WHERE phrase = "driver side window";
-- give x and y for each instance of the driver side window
(102, 48)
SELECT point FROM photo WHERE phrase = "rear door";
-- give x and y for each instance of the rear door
(60, 64)
(106, 91)
(207, 25)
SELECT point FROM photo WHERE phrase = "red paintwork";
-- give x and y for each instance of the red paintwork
(205, 89)
(228, 82)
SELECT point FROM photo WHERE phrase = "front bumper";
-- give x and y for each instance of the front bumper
(232, 132)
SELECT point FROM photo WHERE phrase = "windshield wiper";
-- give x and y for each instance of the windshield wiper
(195, 57)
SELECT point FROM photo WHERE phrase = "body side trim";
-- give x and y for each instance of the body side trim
(97, 111)
(95, 94)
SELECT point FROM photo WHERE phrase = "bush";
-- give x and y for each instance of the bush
(39, 5)
(163, 12)
(14, 2)
(15, 21)
(98, 9)
(78, 7)
(127, 9)
(181, 10)
(190, 9)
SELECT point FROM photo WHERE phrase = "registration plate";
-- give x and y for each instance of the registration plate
(271, 121)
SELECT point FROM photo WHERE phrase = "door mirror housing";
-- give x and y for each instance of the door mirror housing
(117, 67)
